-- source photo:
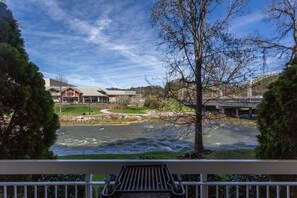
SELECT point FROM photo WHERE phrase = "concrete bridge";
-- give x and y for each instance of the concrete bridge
(233, 103)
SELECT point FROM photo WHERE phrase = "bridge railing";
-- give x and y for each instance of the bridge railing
(201, 183)
(234, 100)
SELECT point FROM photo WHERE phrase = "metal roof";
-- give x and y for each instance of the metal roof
(94, 91)
(73, 88)
(91, 91)
(120, 93)
(53, 82)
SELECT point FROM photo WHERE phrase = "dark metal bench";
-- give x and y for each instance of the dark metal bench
(143, 181)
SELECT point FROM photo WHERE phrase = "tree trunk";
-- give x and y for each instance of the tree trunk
(60, 103)
(198, 48)
(198, 124)
(294, 48)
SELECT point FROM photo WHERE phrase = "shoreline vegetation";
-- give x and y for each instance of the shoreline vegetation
(85, 115)
(130, 110)
(215, 154)
(117, 119)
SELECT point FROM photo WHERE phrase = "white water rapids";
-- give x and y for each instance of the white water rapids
(146, 137)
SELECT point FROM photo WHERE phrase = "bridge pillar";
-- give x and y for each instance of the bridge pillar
(250, 89)
(237, 112)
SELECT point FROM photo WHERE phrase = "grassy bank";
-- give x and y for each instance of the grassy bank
(130, 110)
(154, 155)
(76, 110)
(175, 107)
(79, 115)
(232, 154)
(236, 121)
(223, 154)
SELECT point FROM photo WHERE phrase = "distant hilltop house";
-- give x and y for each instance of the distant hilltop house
(76, 94)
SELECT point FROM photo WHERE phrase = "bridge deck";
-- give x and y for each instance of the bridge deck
(233, 103)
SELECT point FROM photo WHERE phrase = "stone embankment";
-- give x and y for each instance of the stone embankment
(107, 117)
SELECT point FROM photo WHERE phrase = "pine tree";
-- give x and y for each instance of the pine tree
(28, 123)
(277, 118)
(9, 31)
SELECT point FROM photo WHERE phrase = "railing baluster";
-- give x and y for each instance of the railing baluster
(15, 191)
(237, 192)
(203, 188)
(217, 191)
(45, 191)
(75, 191)
(196, 191)
(288, 191)
(227, 191)
(25, 191)
(88, 185)
(35, 191)
(257, 191)
(247, 191)
(277, 191)
(186, 191)
(267, 191)
(66, 191)
(56, 191)
(5, 191)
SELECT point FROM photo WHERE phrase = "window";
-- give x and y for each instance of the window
(70, 93)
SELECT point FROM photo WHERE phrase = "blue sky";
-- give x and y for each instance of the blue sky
(108, 43)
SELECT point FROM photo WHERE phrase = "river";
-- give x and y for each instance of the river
(146, 137)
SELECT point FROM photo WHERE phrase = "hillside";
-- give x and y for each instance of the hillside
(145, 90)
(261, 86)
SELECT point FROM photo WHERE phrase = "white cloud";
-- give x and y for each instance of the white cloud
(247, 20)
(113, 37)
(83, 80)
(49, 75)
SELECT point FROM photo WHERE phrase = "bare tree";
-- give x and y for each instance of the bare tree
(123, 100)
(201, 55)
(282, 14)
(62, 81)
(137, 100)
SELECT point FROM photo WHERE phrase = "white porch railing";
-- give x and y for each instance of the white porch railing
(197, 187)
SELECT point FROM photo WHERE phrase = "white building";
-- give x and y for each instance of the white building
(75, 94)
